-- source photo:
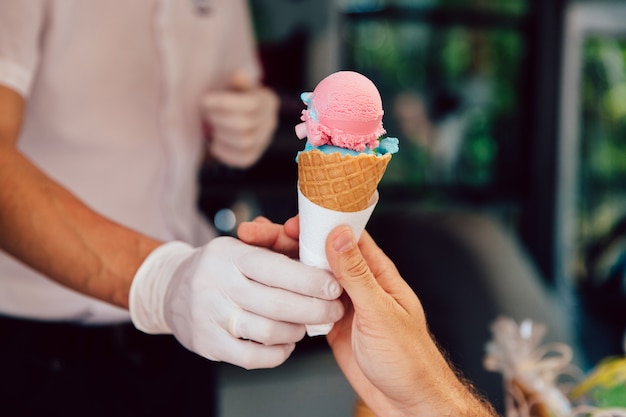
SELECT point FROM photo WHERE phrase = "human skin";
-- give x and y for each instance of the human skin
(382, 343)
(51, 230)
(241, 120)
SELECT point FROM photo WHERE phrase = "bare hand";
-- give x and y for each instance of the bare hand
(382, 343)
(241, 121)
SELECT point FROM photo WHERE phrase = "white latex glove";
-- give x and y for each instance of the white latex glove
(241, 121)
(232, 302)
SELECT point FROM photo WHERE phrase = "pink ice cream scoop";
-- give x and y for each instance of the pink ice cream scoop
(344, 110)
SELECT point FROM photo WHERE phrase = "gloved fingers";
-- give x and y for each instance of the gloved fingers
(276, 270)
(245, 325)
(252, 355)
(238, 337)
(239, 323)
(281, 305)
(221, 346)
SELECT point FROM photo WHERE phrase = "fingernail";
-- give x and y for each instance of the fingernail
(344, 241)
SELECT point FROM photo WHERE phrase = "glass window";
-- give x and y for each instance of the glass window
(590, 245)
(591, 228)
(602, 157)
(514, 7)
(451, 93)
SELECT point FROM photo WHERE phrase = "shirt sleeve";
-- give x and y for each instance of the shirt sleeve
(21, 29)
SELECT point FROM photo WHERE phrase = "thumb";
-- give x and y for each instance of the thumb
(351, 269)
(240, 80)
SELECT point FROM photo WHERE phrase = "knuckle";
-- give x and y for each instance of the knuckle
(355, 266)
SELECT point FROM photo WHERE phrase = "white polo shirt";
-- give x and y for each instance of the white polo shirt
(113, 90)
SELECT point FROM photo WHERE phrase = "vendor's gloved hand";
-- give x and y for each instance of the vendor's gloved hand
(232, 302)
(241, 121)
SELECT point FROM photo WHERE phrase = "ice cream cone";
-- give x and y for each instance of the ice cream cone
(340, 182)
(343, 161)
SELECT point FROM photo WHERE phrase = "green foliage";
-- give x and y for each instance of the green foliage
(444, 61)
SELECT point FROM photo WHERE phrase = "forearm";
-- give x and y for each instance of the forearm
(446, 393)
(49, 229)
(458, 398)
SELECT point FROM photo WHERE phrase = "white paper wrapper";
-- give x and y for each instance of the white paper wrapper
(316, 223)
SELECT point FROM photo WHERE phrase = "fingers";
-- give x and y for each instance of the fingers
(241, 81)
(245, 325)
(252, 355)
(232, 106)
(241, 120)
(387, 275)
(369, 277)
(274, 270)
(352, 270)
(261, 219)
(259, 232)
(285, 306)
(234, 156)
(262, 232)
(242, 124)
(292, 227)
(247, 354)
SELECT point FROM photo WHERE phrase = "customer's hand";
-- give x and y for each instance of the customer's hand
(232, 302)
(241, 121)
(382, 343)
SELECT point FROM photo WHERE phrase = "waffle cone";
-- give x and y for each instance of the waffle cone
(340, 182)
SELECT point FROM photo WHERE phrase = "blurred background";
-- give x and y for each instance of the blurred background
(508, 195)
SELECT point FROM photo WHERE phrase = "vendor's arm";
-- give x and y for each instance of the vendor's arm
(49, 229)
(218, 300)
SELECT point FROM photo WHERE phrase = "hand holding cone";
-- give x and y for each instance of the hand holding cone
(342, 164)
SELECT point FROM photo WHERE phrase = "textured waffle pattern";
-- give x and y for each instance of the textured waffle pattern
(341, 183)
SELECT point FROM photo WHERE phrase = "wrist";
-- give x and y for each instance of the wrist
(451, 396)
(441, 390)
(146, 299)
